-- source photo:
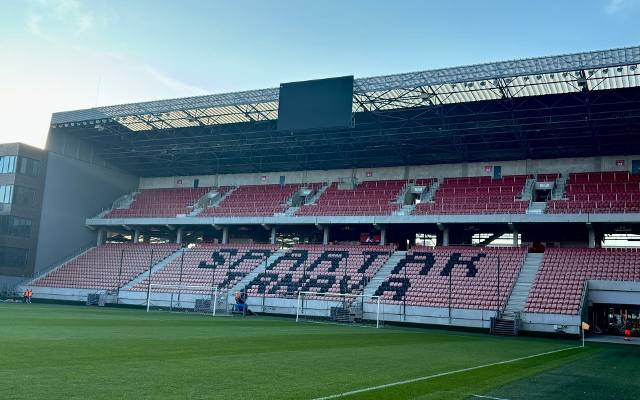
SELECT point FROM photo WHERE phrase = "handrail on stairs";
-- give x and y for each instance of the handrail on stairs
(583, 299)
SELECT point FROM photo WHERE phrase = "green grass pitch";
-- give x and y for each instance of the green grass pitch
(67, 352)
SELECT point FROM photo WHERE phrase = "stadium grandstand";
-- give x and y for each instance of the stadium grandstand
(501, 196)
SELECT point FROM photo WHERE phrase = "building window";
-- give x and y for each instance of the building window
(8, 164)
(20, 195)
(13, 257)
(24, 196)
(29, 166)
(6, 194)
(15, 226)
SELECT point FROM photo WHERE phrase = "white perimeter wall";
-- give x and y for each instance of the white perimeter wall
(520, 167)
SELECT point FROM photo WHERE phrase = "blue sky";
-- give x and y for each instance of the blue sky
(70, 54)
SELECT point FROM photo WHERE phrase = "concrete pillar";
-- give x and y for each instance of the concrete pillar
(136, 236)
(179, 235)
(383, 236)
(273, 235)
(101, 237)
(516, 242)
(592, 236)
(325, 236)
(225, 235)
(445, 235)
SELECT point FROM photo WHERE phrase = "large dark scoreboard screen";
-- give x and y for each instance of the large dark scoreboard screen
(322, 103)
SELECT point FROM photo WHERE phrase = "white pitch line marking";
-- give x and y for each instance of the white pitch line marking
(428, 377)
(488, 397)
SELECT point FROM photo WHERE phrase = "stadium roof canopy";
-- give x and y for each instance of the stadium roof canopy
(596, 70)
(570, 105)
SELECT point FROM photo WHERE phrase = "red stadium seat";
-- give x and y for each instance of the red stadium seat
(599, 192)
(256, 200)
(320, 268)
(152, 203)
(563, 272)
(422, 277)
(477, 195)
(107, 267)
(367, 198)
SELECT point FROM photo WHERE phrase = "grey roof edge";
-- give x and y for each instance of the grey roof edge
(476, 72)
(503, 69)
(167, 105)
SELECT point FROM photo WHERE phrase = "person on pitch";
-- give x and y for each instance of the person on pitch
(240, 302)
(627, 331)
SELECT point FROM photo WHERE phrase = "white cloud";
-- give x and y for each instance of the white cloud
(59, 16)
(33, 22)
(180, 88)
(54, 69)
(38, 81)
(616, 6)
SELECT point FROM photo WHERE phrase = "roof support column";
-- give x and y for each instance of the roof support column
(515, 232)
(136, 236)
(325, 234)
(592, 235)
(273, 235)
(383, 233)
(101, 237)
(445, 234)
(179, 235)
(225, 235)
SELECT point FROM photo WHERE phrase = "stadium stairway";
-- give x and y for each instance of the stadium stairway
(406, 209)
(123, 201)
(318, 193)
(219, 199)
(383, 273)
(537, 207)
(253, 274)
(523, 284)
(163, 263)
(403, 193)
(211, 196)
(527, 191)
(430, 193)
(291, 210)
(559, 188)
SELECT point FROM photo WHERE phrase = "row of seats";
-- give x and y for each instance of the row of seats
(321, 269)
(208, 265)
(598, 177)
(107, 267)
(546, 177)
(559, 283)
(482, 195)
(255, 200)
(161, 203)
(599, 192)
(463, 277)
(367, 198)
